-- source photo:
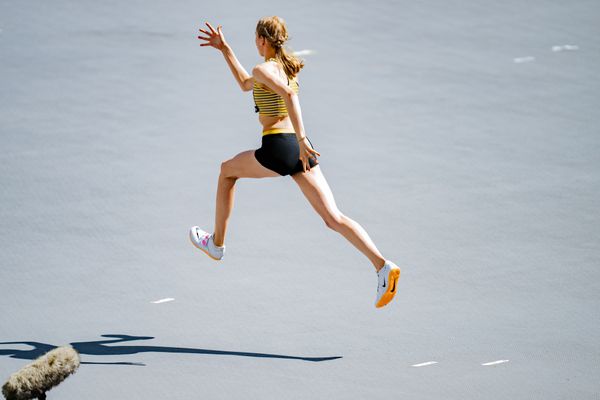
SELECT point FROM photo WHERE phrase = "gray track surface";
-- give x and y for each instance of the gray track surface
(478, 175)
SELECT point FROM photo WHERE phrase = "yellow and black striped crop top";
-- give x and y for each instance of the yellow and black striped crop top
(267, 102)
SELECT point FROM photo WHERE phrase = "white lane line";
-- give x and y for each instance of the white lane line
(306, 52)
(163, 300)
(565, 47)
(520, 60)
(495, 362)
(425, 364)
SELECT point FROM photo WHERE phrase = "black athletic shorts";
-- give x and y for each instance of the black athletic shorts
(280, 153)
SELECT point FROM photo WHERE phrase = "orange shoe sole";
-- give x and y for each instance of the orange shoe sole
(393, 277)
(200, 248)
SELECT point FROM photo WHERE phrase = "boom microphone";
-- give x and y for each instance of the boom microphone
(35, 379)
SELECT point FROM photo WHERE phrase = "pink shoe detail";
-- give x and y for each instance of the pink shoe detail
(205, 240)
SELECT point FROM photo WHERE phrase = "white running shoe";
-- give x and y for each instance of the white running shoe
(204, 241)
(388, 280)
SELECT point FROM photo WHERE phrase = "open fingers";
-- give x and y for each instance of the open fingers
(305, 158)
(306, 161)
(203, 31)
(312, 152)
(203, 38)
(211, 28)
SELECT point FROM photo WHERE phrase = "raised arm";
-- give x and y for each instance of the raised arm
(241, 76)
(216, 39)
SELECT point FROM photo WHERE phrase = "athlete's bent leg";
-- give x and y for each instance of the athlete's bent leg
(317, 191)
(243, 165)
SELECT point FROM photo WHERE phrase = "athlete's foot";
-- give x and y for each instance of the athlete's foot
(387, 283)
(204, 241)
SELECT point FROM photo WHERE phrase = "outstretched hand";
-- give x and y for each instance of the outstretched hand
(215, 39)
(306, 152)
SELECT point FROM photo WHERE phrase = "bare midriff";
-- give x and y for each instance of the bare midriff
(283, 122)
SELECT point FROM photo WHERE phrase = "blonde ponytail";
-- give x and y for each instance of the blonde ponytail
(273, 29)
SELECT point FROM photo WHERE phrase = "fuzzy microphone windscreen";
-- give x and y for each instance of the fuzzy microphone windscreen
(35, 379)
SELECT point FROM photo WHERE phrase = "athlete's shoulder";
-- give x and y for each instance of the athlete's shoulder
(264, 68)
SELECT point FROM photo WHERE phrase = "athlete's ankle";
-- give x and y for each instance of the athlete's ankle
(218, 243)
(378, 264)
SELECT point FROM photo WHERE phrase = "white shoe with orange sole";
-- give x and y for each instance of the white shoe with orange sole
(387, 283)
(204, 241)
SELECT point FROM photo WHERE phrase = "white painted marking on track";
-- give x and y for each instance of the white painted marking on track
(163, 300)
(565, 47)
(425, 364)
(520, 60)
(306, 52)
(495, 362)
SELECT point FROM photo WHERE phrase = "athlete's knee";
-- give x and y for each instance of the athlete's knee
(228, 169)
(334, 220)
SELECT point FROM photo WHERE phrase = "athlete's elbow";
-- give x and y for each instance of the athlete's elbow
(291, 95)
(246, 85)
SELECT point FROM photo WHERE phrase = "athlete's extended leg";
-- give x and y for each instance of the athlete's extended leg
(243, 165)
(317, 191)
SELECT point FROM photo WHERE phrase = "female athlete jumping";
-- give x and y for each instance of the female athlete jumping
(285, 150)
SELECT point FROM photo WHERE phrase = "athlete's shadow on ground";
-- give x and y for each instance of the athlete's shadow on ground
(99, 348)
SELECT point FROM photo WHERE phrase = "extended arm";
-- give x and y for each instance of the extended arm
(216, 39)
(241, 76)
